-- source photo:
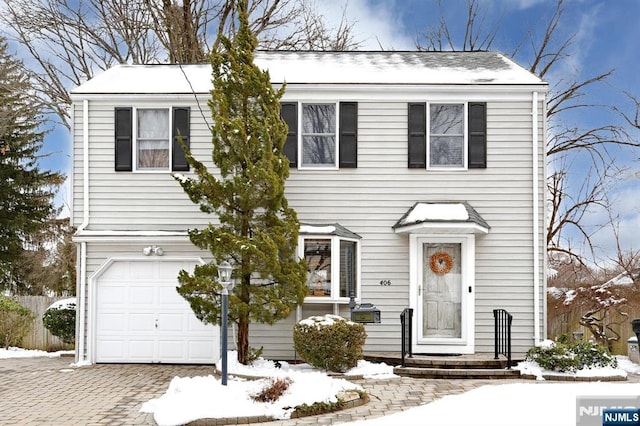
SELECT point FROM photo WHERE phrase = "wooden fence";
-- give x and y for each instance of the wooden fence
(40, 337)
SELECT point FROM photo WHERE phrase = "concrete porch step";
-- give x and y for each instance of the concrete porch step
(456, 373)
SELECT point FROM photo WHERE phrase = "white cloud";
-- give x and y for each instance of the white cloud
(376, 25)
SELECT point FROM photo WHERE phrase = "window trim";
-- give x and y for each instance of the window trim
(335, 267)
(134, 142)
(336, 159)
(465, 137)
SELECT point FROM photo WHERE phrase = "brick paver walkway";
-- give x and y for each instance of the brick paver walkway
(41, 391)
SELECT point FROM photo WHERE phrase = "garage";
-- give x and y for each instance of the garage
(141, 318)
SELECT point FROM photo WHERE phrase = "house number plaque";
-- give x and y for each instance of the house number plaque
(385, 282)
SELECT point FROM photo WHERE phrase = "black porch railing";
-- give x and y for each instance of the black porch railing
(502, 334)
(406, 318)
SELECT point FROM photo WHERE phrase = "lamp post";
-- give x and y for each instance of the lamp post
(224, 276)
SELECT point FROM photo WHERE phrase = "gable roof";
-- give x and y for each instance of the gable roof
(441, 217)
(397, 68)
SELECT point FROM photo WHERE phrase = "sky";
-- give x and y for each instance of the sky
(189, 398)
(605, 38)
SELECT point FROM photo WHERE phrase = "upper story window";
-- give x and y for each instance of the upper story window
(321, 135)
(152, 141)
(332, 256)
(451, 136)
(446, 136)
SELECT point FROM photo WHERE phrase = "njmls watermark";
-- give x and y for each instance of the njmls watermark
(608, 410)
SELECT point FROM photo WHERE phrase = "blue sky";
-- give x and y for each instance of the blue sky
(606, 37)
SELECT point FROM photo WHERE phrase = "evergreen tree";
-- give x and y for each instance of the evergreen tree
(257, 231)
(26, 191)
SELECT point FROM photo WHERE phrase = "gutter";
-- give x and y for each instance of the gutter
(536, 221)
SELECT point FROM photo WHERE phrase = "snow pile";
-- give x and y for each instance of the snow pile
(189, 399)
(28, 353)
(69, 303)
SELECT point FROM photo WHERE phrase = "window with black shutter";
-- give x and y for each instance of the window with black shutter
(442, 144)
(180, 132)
(147, 139)
(477, 135)
(417, 135)
(289, 114)
(123, 140)
(348, 139)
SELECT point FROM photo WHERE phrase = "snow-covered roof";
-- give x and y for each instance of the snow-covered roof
(327, 229)
(441, 217)
(386, 67)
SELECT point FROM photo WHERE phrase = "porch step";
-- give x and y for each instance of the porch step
(456, 373)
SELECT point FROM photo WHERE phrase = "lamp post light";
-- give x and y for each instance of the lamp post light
(224, 276)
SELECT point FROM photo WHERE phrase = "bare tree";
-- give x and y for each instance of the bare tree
(567, 205)
(66, 42)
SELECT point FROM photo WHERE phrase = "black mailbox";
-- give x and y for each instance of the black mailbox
(365, 313)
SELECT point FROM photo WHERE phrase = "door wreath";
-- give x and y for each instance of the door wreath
(441, 263)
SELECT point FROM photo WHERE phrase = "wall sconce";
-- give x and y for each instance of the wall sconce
(152, 249)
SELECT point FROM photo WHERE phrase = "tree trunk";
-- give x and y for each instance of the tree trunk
(243, 340)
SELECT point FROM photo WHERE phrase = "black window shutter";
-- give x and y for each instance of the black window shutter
(417, 136)
(180, 130)
(348, 134)
(477, 135)
(123, 142)
(289, 113)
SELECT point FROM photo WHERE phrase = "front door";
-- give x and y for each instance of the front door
(444, 304)
(442, 290)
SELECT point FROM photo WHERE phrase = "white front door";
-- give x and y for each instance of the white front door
(444, 284)
(140, 317)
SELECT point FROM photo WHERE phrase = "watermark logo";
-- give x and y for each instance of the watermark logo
(608, 411)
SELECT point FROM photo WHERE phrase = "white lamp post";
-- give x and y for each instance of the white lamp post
(224, 276)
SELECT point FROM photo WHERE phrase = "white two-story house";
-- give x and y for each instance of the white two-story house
(418, 179)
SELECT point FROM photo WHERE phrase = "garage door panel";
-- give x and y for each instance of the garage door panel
(142, 318)
(142, 322)
(142, 295)
(171, 322)
(169, 296)
(141, 350)
(111, 322)
(110, 293)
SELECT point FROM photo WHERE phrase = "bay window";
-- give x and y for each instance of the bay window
(332, 263)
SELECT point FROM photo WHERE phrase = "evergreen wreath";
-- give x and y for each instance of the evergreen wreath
(441, 263)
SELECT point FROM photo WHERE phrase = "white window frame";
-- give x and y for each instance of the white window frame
(301, 165)
(335, 267)
(465, 132)
(135, 139)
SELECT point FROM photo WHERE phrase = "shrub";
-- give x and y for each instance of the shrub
(569, 357)
(60, 320)
(329, 342)
(15, 322)
(273, 390)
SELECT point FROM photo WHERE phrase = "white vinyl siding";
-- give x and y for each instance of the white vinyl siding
(368, 200)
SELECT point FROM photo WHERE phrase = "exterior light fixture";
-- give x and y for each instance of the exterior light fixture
(224, 276)
(158, 251)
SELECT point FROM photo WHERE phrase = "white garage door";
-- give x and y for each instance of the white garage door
(142, 318)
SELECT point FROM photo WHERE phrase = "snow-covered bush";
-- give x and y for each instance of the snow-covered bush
(329, 342)
(15, 322)
(571, 356)
(60, 320)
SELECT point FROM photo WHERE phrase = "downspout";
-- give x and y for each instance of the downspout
(82, 305)
(82, 298)
(85, 166)
(536, 224)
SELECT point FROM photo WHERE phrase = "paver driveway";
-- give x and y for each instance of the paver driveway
(45, 391)
(39, 391)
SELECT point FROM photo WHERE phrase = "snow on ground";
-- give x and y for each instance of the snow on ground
(515, 404)
(28, 353)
